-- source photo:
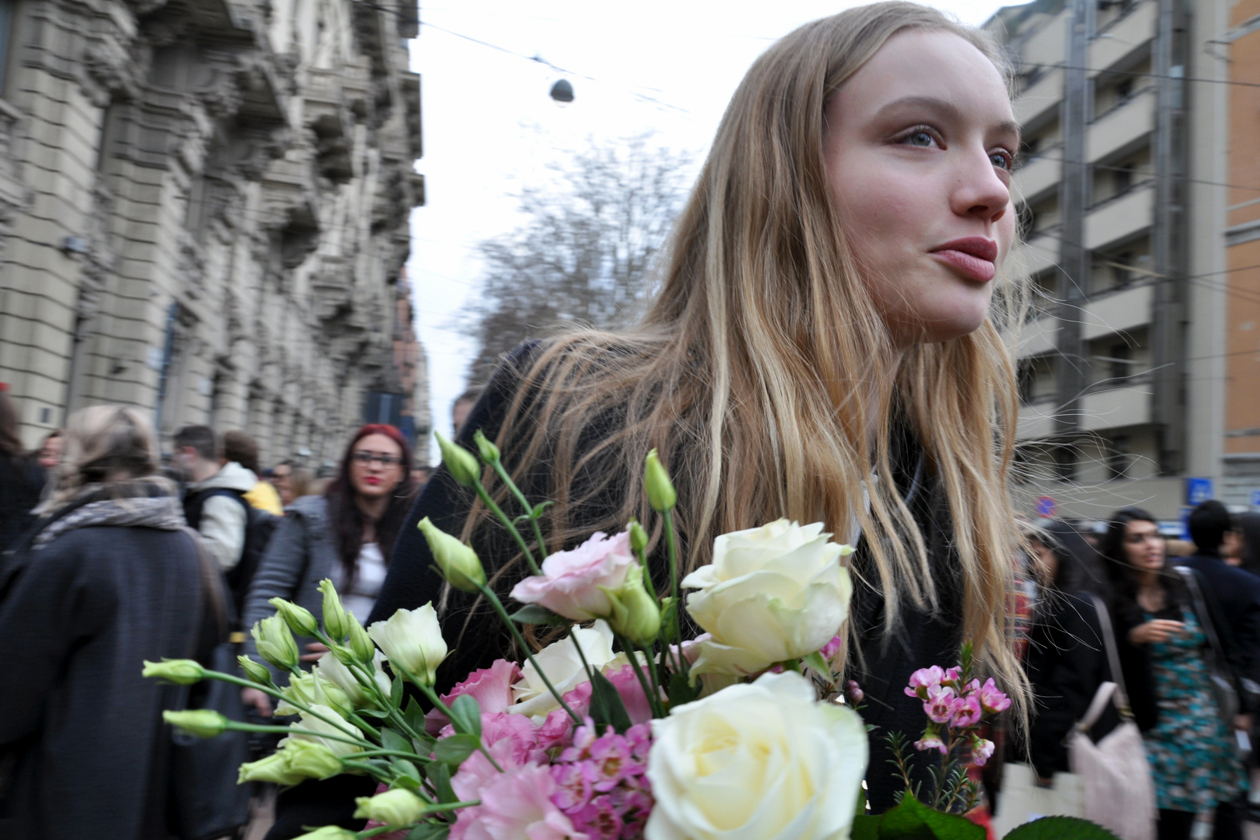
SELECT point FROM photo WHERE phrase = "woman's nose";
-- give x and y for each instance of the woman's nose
(980, 190)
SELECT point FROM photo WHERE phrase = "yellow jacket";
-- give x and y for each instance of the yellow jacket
(265, 497)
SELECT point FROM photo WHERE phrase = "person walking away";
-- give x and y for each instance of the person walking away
(347, 535)
(242, 449)
(1193, 755)
(214, 502)
(109, 578)
(20, 479)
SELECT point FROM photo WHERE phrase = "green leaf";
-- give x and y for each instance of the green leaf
(407, 783)
(607, 707)
(865, 828)
(1051, 828)
(466, 715)
(396, 692)
(391, 740)
(455, 749)
(669, 618)
(911, 820)
(534, 614)
(440, 775)
(539, 509)
(414, 716)
(819, 665)
(429, 831)
(407, 769)
(372, 713)
(680, 691)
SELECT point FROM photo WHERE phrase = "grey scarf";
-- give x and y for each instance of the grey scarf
(136, 509)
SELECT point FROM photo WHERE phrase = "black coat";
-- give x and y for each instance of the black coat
(1066, 663)
(83, 748)
(1237, 595)
(21, 482)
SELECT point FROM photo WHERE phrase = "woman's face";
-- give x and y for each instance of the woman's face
(920, 144)
(1143, 546)
(50, 452)
(376, 467)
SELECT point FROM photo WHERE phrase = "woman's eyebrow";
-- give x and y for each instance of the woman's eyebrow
(947, 110)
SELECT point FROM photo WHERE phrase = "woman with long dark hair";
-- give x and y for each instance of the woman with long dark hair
(1166, 655)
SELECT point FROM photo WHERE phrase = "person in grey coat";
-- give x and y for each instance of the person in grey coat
(109, 578)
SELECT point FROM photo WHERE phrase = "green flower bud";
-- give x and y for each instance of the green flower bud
(275, 643)
(274, 768)
(636, 615)
(310, 759)
(457, 562)
(178, 671)
(393, 807)
(334, 612)
(299, 619)
(461, 463)
(360, 643)
(487, 450)
(256, 671)
(204, 723)
(328, 832)
(660, 490)
(638, 537)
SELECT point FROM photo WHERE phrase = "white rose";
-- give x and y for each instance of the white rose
(344, 678)
(412, 640)
(330, 723)
(560, 662)
(772, 593)
(757, 762)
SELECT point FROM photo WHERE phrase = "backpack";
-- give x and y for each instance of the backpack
(259, 526)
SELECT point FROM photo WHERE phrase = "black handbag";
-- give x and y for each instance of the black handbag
(206, 801)
(1220, 676)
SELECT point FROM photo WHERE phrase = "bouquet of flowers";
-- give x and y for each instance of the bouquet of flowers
(619, 728)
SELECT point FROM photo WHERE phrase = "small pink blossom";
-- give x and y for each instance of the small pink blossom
(516, 804)
(953, 677)
(831, 648)
(628, 686)
(571, 581)
(981, 751)
(490, 687)
(967, 712)
(853, 692)
(940, 705)
(931, 741)
(991, 699)
(923, 680)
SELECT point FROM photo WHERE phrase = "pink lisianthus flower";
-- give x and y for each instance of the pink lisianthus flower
(992, 700)
(924, 680)
(981, 751)
(967, 712)
(931, 741)
(490, 687)
(627, 685)
(571, 581)
(515, 804)
(940, 705)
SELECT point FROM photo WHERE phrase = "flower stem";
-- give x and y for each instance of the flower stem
(508, 523)
(654, 700)
(501, 472)
(229, 678)
(520, 640)
(671, 541)
(446, 710)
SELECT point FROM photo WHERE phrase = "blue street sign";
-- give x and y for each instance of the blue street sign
(1198, 491)
(1046, 507)
(1185, 522)
(1255, 498)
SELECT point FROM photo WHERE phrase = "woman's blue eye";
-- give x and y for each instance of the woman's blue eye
(919, 138)
(1002, 160)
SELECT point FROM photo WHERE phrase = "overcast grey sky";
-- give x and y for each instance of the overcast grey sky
(490, 127)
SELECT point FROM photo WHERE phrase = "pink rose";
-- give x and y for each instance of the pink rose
(570, 581)
(924, 680)
(515, 804)
(939, 707)
(966, 712)
(981, 751)
(991, 699)
(490, 687)
(627, 685)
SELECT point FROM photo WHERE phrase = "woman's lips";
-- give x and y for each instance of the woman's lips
(973, 256)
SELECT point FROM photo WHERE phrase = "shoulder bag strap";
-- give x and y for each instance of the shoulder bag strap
(1113, 656)
(1205, 617)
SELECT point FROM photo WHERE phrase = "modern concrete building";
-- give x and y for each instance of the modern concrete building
(204, 210)
(1122, 205)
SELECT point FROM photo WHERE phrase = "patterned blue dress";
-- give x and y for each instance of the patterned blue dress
(1194, 759)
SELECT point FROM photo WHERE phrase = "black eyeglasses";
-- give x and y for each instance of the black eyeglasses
(364, 457)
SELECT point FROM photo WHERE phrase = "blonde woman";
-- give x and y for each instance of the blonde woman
(106, 579)
(826, 326)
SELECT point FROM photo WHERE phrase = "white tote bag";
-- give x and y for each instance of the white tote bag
(1021, 800)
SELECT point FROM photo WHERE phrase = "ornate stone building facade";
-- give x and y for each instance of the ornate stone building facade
(204, 211)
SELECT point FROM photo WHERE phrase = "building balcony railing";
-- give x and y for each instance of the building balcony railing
(1112, 408)
(1120, 216)
(1113, 312)
(1040, 97)
(1122, 36)
(1039, 173)
(1039, 336)
(1036, 420)
(1039, 251)
(1122, 125)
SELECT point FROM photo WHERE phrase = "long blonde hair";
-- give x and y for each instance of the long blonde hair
(104, 444)
(763, 373)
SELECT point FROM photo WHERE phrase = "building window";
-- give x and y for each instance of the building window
(1120, 362)
(1122, 269)
(1118, 457)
